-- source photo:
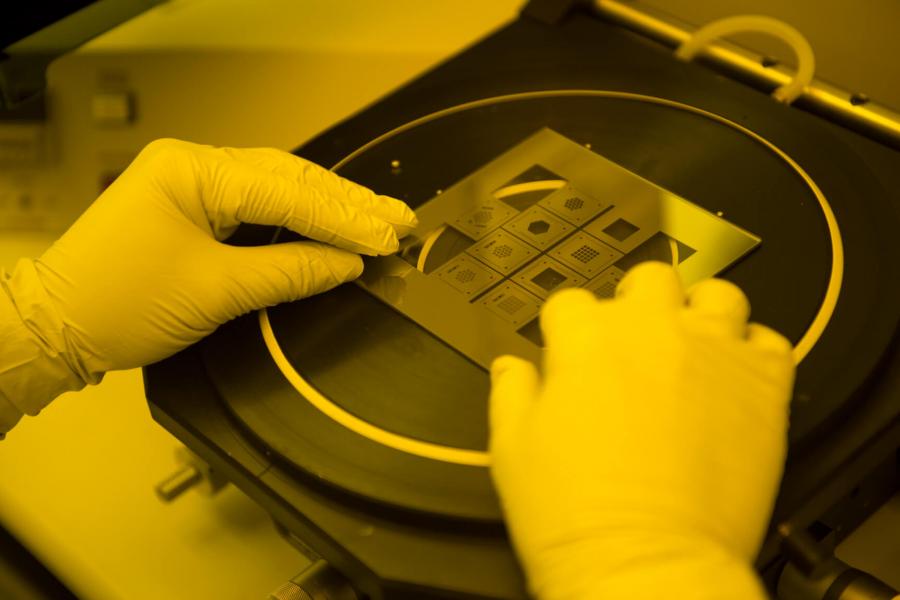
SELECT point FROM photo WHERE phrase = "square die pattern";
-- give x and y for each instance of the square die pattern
(503, 252)
(573, 206)
(512, 303)
(539, 227)
(585, 254)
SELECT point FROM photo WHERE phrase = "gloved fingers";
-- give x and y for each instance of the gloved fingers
(261, 276)
(775, 364)
(721, 306)
(248, 194)
(514, 388)
(768, 340)
(307, 173)
(566, 311)
(164, 146)
(565, 319)
(653, 283)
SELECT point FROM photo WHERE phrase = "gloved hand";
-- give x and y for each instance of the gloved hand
(143, 273)
(645, 462)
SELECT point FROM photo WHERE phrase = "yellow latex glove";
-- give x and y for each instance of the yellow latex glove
(143, 273)
(646, 461)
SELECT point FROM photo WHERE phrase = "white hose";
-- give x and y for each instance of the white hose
(806, 62)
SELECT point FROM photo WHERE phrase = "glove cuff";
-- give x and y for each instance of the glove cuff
(37, 362)
(650, 570)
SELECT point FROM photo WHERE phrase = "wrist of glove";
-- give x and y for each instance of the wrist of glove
(37, 360)
(649, 451)
(602, 567)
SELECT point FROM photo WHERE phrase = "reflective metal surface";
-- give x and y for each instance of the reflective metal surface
(545, 215)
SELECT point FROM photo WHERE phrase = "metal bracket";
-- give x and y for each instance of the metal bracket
(852, 110)
(194, 473)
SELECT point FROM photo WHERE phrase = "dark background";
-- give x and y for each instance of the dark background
(21, 19)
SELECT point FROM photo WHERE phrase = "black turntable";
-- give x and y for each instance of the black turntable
(358, 418)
